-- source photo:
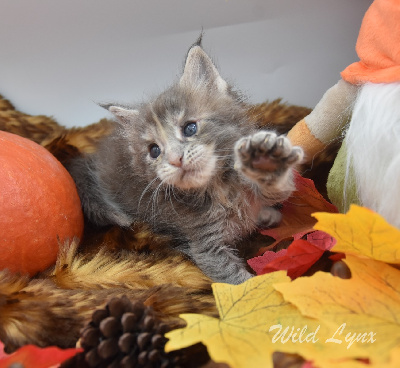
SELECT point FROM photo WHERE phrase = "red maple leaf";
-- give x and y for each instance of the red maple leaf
(2, 353)
(297, 258)
(30, 356)
(258, 263)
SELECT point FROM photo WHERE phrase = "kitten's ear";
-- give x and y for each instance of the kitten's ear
(200, 71)
(124, 115)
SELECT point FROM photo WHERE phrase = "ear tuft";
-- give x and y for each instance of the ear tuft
(200, 71)
(199, 40)
(105, 105)
(122, 114)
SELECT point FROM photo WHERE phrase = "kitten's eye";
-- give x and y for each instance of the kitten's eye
(190, 129)
(155, 151)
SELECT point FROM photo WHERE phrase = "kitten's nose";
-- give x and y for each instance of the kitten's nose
(175, 160)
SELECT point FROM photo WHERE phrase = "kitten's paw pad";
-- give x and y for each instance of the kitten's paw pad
(267, 152)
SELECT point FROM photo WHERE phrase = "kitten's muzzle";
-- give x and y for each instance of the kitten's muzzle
(175, 160)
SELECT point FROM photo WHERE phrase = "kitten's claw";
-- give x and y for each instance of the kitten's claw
(296, 156)
(265, 153)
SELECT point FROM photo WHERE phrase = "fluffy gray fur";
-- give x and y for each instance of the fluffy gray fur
(209, 189)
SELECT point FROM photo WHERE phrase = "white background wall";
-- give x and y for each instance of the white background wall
(58, 57)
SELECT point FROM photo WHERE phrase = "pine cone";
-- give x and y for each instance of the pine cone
(126, 334)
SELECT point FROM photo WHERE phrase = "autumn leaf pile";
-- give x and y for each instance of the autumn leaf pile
(329, 321)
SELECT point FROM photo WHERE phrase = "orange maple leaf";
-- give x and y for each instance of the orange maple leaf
(296, 212)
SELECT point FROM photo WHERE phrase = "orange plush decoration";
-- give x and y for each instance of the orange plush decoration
(363, 109)
(39, 206)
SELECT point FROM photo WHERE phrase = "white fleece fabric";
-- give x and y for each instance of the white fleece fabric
(373, 148)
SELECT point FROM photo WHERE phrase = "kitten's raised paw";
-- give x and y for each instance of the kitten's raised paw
(265, 153)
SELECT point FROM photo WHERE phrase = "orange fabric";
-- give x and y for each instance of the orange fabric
(378, 45)
(300, 135)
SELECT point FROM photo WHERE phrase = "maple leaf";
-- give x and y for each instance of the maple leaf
(362, 232)
(254, 322)
(297, 258)
(2, 353)
(296, 212)
(30, 356)
(394, 360)
(259, 263)
(241, 337)
(366, 307)
(300, 256)
(321, 240)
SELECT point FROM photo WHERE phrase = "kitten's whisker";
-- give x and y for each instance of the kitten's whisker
(145, 190)
(166, 193)
(176, 196)
(170, 198)
(156, 197)
(154, 203)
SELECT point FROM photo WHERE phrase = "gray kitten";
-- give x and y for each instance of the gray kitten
(190, 164)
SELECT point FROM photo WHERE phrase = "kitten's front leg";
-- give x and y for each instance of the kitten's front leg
(267, 159)
(218, 261)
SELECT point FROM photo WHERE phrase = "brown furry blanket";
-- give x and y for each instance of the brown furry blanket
(51, 308)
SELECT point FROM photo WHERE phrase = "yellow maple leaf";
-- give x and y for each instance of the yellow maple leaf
(394, 360)
(254, 322)
(361, 232)
(243, 335)
(363, 312)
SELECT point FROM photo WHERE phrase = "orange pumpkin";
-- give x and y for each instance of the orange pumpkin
(39, 206)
